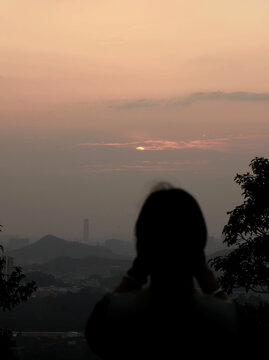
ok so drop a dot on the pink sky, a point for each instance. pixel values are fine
(83, 84)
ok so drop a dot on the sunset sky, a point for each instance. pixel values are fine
(100, 100)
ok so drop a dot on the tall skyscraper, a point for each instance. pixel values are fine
(86, 231)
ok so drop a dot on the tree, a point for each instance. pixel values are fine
(12, 292)
(247, 232)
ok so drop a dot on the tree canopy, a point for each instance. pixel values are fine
(12, 292)
(247, 233)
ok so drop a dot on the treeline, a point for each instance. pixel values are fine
(64, 312)
(53, 349)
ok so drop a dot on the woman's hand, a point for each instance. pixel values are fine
(135, 278)
(207, 280)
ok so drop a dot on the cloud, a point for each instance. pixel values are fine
(115, 144)
(139, 103)
(220, 95)
(203, 144)
(160, 145)
(230, 144)
(152, 163)
(145, 166)
(193, 98)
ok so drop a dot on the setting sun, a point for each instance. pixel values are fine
(141, 148)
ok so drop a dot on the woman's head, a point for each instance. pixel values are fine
(170, 230)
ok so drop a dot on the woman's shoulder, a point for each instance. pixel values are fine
(219, 313)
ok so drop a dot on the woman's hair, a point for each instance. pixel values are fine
(170, 230)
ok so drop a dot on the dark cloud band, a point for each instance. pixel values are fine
(195, 97)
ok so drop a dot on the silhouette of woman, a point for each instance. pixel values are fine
(168, 317)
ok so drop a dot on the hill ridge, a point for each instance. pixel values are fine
(50, 247)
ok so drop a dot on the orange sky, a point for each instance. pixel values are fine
(63, 50)
(84, 83)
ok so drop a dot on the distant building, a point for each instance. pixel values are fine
(86, 231)
(16, 243)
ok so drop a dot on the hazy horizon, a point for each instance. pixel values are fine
(99, 101)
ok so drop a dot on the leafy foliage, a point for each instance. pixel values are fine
(11, 291)
(247, 231)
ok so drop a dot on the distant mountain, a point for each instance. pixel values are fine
(42, 279)
(50, 247)
(121, 247)
(223, 252)
(213, 244)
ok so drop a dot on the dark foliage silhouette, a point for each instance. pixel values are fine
(12, 292)
(247, 232)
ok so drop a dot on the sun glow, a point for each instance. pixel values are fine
(141, 148)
